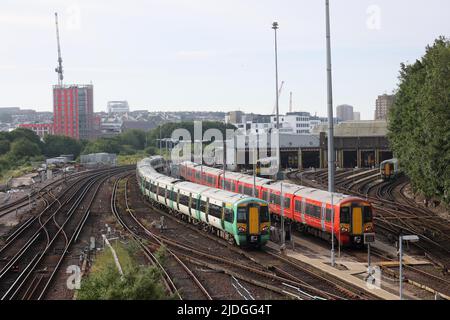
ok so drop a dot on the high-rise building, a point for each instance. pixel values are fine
(356, 116)
(118, 107)
(344, 112)
(73, 110)
(383, 104)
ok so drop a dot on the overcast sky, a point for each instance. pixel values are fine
(211, 54)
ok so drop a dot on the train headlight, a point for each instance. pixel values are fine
(344, 229)
(241, 229)
(265, 228)
(368, 228)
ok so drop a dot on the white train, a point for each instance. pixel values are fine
(238, 218)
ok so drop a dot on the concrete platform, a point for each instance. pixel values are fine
(352, 274)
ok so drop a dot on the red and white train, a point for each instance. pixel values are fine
(306, 208)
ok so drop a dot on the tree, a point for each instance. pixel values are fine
(27, 134)
(23, 147)
(419, 122)
(57, 145)
(4, 146)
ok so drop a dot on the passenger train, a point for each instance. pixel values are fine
(308, 209)
(389, 169)
(236, 217)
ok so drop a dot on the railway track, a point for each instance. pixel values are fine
(33, 253)
(394, 217)
(141, 235)
(269, 266)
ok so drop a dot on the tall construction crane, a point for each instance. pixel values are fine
(279, 94)
(59, 68)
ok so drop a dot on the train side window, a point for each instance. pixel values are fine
(203, 206)
(248, 191)
(229, 215)
(367, 213)
(287, 203)
(184, 200)
(242, 214)
(264, 214)
(345, 215)
(215, 210)
(298, 206)
(240, 189)
(328, 215)
(265, 196)
(197, 176)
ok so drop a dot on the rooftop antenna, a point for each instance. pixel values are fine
(59, 68)
(290, 101)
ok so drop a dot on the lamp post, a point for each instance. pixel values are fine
(330, 117)
(275, 28)
(409, 238)
(332, 230)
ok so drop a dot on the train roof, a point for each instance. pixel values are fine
(224, 196)
(191, 187)
(287, 187)
(321, 195)
(212, 193)
(394, 160)
(258, 180)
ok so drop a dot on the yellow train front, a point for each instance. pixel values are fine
(355, 219)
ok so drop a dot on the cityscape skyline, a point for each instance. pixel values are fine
(228, 65)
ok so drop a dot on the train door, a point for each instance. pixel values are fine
(323, 215)
(253, 220)
(357, 220)
(190, 204)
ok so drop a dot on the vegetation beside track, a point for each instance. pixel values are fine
(419, 122)
(105, 283)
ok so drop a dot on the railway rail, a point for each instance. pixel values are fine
(394, 217)
(34, 252)
(263, 264)
(141, 235)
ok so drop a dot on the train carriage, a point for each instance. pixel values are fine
(309, 209)
(239, 218)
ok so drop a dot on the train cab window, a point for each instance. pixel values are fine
(215, 210)
(242, 214)
(367, 214)
(264, 214)
(229, 215)
(345, 215)
(298, 206)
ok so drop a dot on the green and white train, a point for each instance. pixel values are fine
(238, 218)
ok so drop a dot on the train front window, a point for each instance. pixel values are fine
(242, 214)
(264, 214)
(367, 214)
(345, 214)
